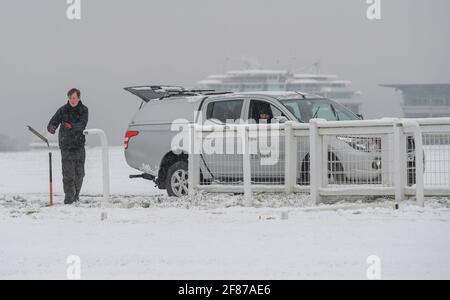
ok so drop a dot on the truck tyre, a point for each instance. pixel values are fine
(177, 179)
(335, 170)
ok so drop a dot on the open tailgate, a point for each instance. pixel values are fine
(151, 92)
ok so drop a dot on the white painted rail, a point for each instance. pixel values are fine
(385, 157)
(105, 160)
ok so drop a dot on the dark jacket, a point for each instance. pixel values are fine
(71, 139)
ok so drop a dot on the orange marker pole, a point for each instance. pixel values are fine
(45, 140)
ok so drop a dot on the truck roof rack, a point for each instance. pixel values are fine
(152, 92)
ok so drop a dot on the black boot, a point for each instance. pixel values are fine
(68, 201)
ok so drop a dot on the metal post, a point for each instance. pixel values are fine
(415, 127)
(290, 176)
(193, 161)
(398, 161)
(385, 175)
(105, 159)
(247, 168)
(45, 140)
(419, 166)
(51, 177)
(315, 161)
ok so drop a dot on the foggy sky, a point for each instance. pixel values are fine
(122, 43)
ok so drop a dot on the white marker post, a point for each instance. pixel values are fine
(105, 159)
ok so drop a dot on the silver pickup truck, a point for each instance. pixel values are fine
(149, 135)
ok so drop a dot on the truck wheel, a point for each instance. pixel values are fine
(305, 173)
(177, 179)
(335, 170)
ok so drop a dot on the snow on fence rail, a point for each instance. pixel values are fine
(386, 157)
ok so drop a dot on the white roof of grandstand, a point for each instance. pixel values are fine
(315, 76)
(304, 81)
(257, 72)
(217, 76)
(210, 81)
(341, 82)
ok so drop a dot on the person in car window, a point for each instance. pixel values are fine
(264, 115)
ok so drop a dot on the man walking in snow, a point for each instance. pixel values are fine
(72, 119)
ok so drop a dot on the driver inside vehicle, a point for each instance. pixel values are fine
(264, 115)
(260, 112)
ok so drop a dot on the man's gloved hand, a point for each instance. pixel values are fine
(51, 129)
(68, 125)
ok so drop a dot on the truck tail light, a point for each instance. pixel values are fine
(128, 136)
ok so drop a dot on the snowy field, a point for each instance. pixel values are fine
(146, 235)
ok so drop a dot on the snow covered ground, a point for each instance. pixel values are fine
(144, 234)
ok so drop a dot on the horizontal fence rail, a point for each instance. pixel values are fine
(386, 157)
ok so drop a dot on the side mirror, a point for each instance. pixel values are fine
(280, 119)
(360, 116)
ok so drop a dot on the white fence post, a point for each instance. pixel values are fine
(419, 166)
(399, 164)
(290, 169)
(247, 168)
(193, 161)
(105, 159)
(315, 161)
(386, 143)
(417, 132)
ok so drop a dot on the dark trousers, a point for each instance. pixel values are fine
(73, 173)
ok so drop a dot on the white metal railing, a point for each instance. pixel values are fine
(105, 160)
(436, 146)
(369, 157)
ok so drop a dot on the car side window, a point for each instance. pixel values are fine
(224, 110)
